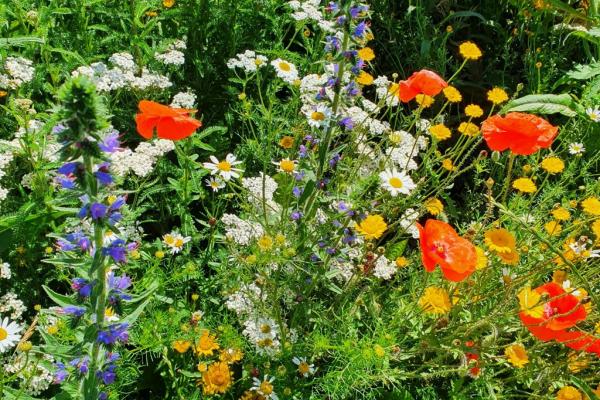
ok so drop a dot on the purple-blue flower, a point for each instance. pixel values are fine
(346, 123)
(110, 144)
(297, 192)
(98, 210)
(82, 286)
(115, 333)
(75, 311)
(116, 250)
(60, 374)
(296, 215)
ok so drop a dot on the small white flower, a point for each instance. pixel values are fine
(318, 116)
(215, 184)
(285, 70)
(507, 277)
(9, 334)
(576, 148)
(5, 272)
(593, 113)
(396, 182)
(304, 368)
(265, 387)
(175, 241)
(224, 168)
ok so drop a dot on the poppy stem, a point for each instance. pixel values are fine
(511, 162)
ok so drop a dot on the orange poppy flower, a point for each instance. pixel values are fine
(441, 245)
(422, 82)
(522, 133)
(170, 123)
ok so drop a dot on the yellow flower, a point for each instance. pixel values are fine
(286, 165)
(516, 355)
(265, 243)
(366, 54)
(452, 94)
(577, 362)
(286, 142)
(448, 165)
(561, 214)
(469, 51)
(435, 300)
(181, 346)
(434, 206)
(524, 185)
(553, 165)
(440, 132)
(401, 262)
(511, 258)
(207, 344)
(497, 96)
(168, 3)
(568, 393)
(553, 228)
(372, 227)
(468, 128)
(591, 205)
(529, 302)
(364, 78)
(473, 111)
(559, 276)
(216, 378)
(482, 260)
(231, 355)
(596, 228)
(52, 329)
(202, 367)
(499, 240)
(424, 101)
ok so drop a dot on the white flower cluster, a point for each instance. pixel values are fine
(141, 160)
(242, 301)
(264, 333)
(184, 100)
(385, 90)
(6, 158)
(18, 70)
(405, 150)
(384, 268)
(34, 376)
(408, 220)
(10, 303)
(239, 231)
(5, 272)
(309, 11)
(259, 186)
(173, 55)
(249, 61)
(343, 270)
(123, 74)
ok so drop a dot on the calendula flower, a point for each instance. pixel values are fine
(591, 206)
(231, 355)
(440, 132)
(553, 228)
(553, 165)
(568, 393)
(372, 227)
(511, 258)
(524, 185)
(473, 111)
(216, 378)
(596, 229)
(469, 51)
(434, 206)
(286, 165)
(516, 355)
(424, 100)
(364, 78)
(435, 300)
(181, 346)
(225, 169)
(168, 3)
(366, 54)
(287, 142)
(499, 240)
(396, 182)
(468, 129)
(206, 344)
(447, 164)
(401, 262)
(497, 96)
(452, 94)
(561, 214)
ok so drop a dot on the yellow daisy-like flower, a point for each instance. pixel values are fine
(231, 355)
(524, 185)
(216, 378)
(578, 362)
(181, 346)
(287, 142)
(372, 227)
(499, 240)
(265, 243)
(568, 393)
(596, 228)
(591, 206)
(424, 101)
(468, 128)
(364, 78)
(440, 132)
(553, 228)
(452, 94)
(529, 302)
(553, 165)
(168, 3)
(401, 262)
(435, 300)
(516, 355)
(482, 259)
(447, 164)
(366, 54)
(473, 111)
(497, 96)
(207, 344)
(561, 214)
(510, 258)
(469, 51)
(434, 206)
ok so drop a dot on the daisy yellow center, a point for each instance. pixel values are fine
(303, 368)
(258, 61)
(214, 184)
(178, 243)
(169, 239)
(287, 165)
(224, 166)
(265, 328)
(3, 334)
(109, 312)
(396, 183)
(266, 388)
(284, 66)
(317, 116)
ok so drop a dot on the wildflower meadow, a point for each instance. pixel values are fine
(303, 200)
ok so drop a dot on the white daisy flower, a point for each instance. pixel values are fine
(396, 182)
(593, 113)
(9, 334)
(285, 70)
(265, 387)
(215, 184)
(507, 277)
(318, 116)
(304, 368)
(224, 168)
(175, 241)
(576, 148)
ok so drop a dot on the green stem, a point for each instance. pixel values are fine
(511, 161)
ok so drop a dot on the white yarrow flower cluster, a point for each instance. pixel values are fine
(184, 100)
(10, 303)
(141, 160)
(384, 268)
(18, 70)
(242, 301)
(31, 370)
(249, 61)
(5, 272)
(261, 188)
(385, 91)
(308, 10)
(241, 232)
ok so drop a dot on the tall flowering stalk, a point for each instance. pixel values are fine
(96, 244)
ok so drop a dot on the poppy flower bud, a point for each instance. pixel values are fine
(483, 154)
(489, 183)
(381, 250)
(212, 221)
(495, 156)
(442, 323)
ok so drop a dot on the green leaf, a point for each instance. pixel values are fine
(544, 104)
(583, 72)
(59, 299)
(20, 41)
(584, 387)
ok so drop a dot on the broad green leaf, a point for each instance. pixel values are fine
(544, 104)
(59, 299)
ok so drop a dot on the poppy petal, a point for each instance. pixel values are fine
(177, 128)
(145, 125)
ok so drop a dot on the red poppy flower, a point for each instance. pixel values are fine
(170, 123)
(421, 82)
(522, 133)
(441, 245)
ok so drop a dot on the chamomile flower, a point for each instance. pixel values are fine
(304, 368)
(265, 387)
(215, 184)
(225, 169)
(285, 70)
(175, 241)
(318, 116)
(593, 113)
(286, 165)
(9, 334)
(507, 276)
(396, 182)
(576, 148)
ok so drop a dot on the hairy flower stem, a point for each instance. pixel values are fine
(511, 161)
